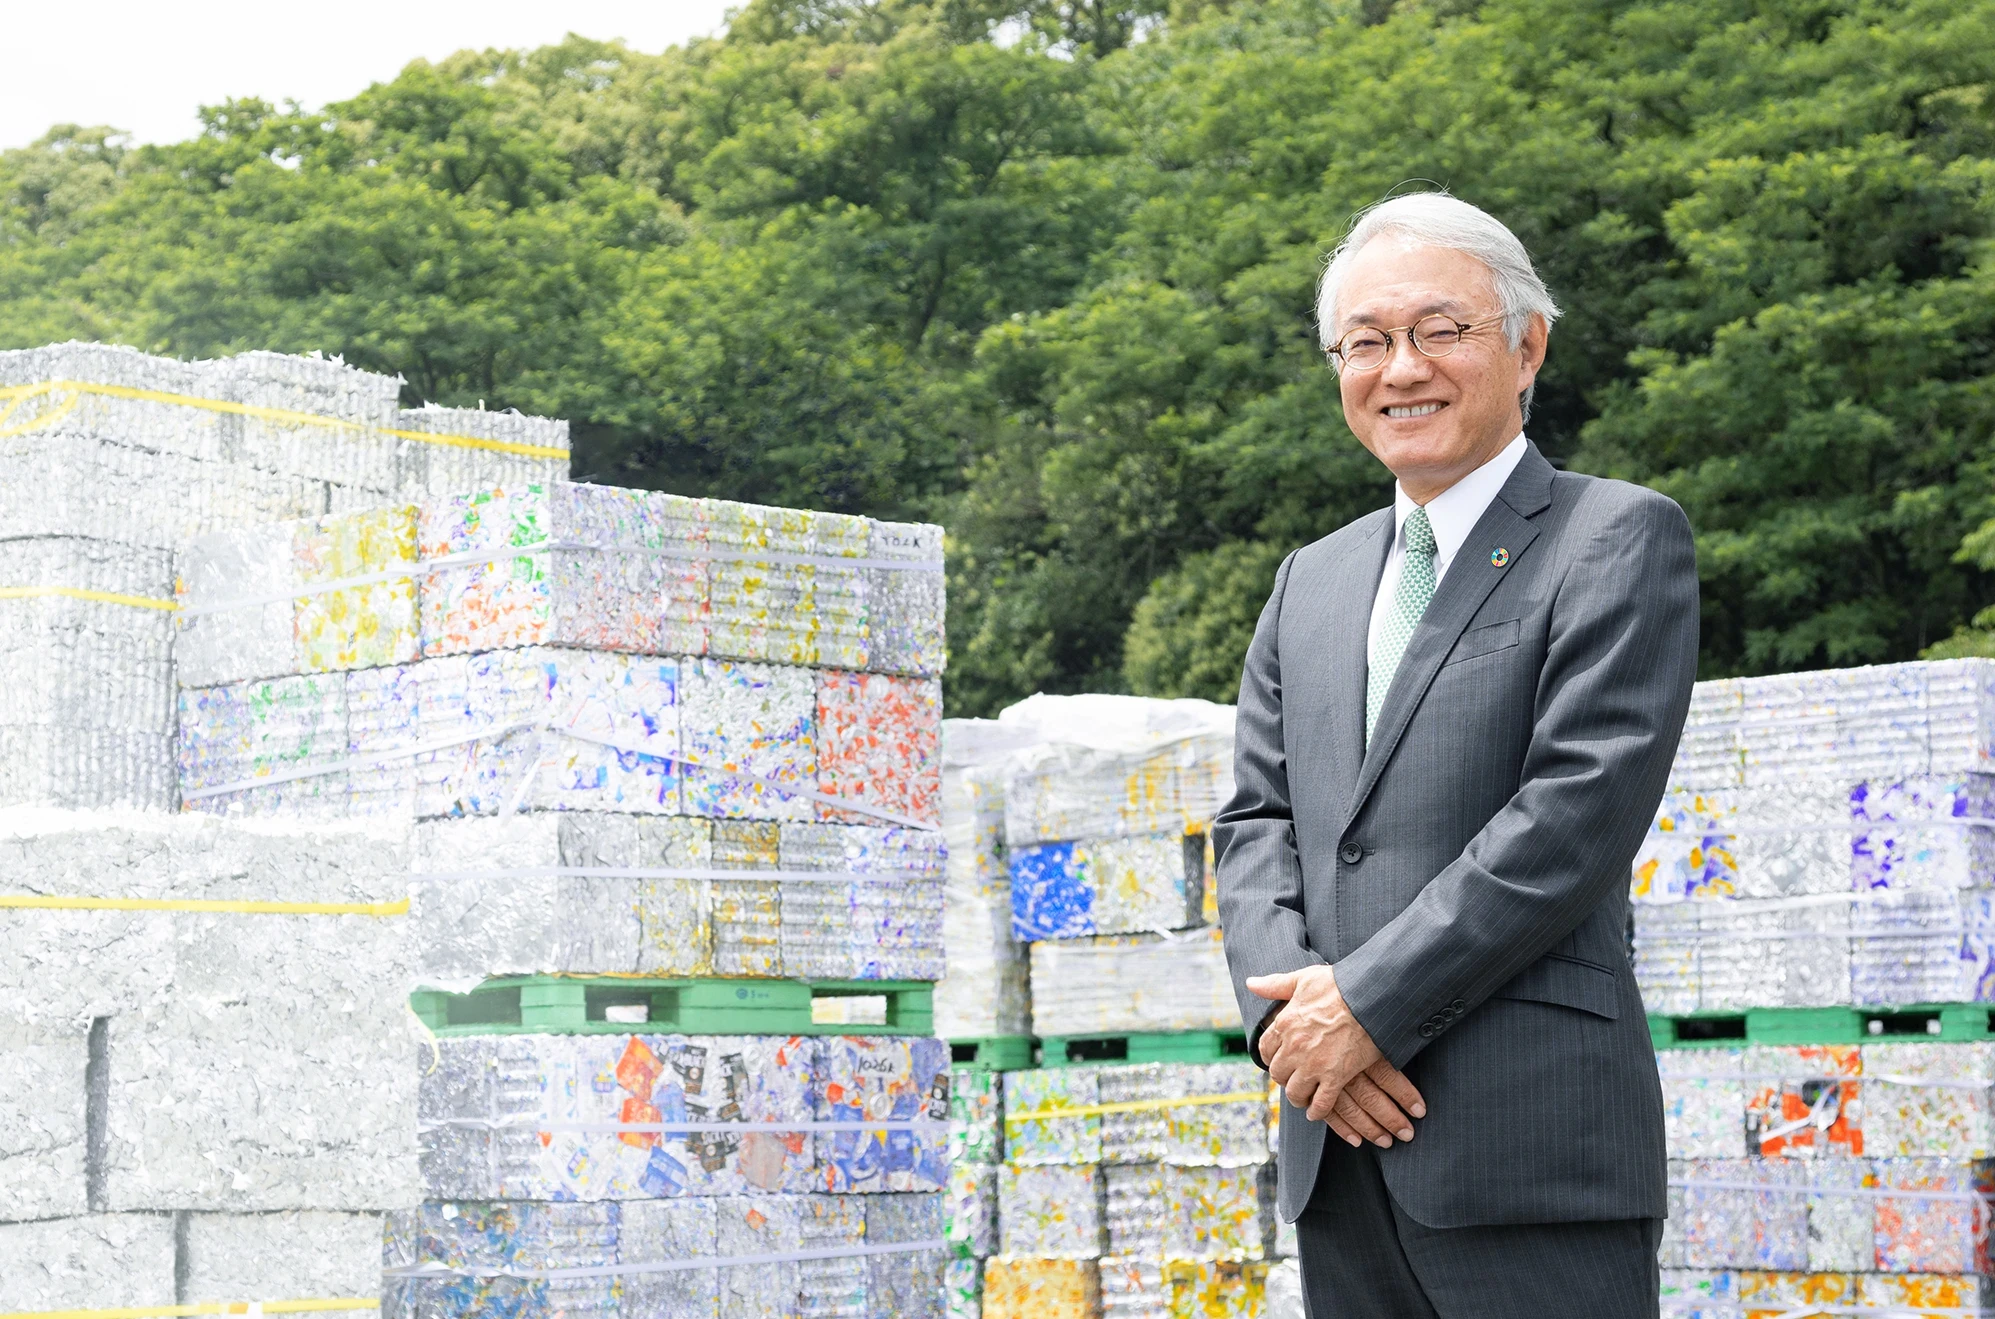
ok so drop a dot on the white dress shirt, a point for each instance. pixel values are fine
(1452, 515)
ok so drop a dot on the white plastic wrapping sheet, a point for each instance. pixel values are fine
(1115, 766)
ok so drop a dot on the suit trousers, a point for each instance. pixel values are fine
(1364, 1258)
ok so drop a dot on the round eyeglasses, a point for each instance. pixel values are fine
(1366, 348)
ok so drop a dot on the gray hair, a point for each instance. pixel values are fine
(1436, 219)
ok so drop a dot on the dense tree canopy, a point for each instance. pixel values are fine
(1043, 271)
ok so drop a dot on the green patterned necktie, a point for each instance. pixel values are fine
(1409, 601)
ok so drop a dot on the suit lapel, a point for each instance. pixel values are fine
(1472, 575)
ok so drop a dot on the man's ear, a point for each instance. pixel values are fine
(1531, 352)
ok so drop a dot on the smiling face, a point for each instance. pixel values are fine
(1432, 420)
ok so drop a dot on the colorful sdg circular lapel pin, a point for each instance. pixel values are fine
(1499, 558)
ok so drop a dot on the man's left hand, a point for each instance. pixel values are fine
(1317, 1051)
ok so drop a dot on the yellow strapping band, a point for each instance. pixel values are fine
(399, 907)
(204, 1307)
(1126, 1106)
(80, 593)
(77, 388)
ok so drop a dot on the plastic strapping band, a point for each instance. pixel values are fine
(1694, 1305)
(1853, 1192)
(1136, 1106)
(1798, 902)
(1802, 1078)
(532, 1123)
(435, 1270)
(399, 907)
(206, 1307)
(82, 593)
(1661, 939)
(1851, 827)
(77, 388)
(669, 872)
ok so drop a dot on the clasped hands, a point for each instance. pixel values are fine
(1326, 1061)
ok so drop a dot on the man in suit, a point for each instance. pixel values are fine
(1456, 719)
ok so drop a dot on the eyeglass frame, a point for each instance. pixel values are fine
(1336, 351)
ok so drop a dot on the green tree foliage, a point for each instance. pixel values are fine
(1044, 271)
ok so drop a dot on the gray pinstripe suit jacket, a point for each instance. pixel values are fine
(1467, 873)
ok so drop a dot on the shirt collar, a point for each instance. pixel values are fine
(1453, 513)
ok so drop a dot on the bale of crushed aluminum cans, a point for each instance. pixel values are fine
(1108, 802)
(1107, 886)
(1138, 982)
(1847, 1174)
(300, 1255)
(557, 564)
(332, 434)
(591, 1117)
(86, 637)
(518, 450)
(701, 1257)
(88, 1262)
(212, 1053)
(1031, 1287)
(546, 728)
(986, 991)
(1826, 840)
(1739, 1294)
(1170, 1201)
(598, 892)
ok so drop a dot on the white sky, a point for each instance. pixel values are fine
(146, 67)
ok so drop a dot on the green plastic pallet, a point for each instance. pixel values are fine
(996, 1053)
(1195, 1046)
(580, 1005)
(1947, 1022)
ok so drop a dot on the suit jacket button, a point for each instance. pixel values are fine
(1426, 1030)
(1459, 1006)
(1350, 854)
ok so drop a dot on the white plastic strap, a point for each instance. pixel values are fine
(1803, 1078)
(1663, 938)
(673, 872)
(1689, 1305)
(436, 1270)
(1798, 902)
(1847, 1192)
(532, 1123)
(1715, 830)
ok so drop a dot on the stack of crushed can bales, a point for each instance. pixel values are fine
(1107, 828)
(1812, 938)
(1086, 1186)
(672, 768)
(205, 1089)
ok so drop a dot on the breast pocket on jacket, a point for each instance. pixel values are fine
(1485, 640)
